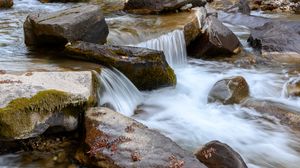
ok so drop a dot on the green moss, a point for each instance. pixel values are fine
(15, 118)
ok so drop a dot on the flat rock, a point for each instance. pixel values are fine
(286, 114)
(277, 38)
(147, 69)
(84, 23)
(31, 103)
(114, 140)
(158, 6)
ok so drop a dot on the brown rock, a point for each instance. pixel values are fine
(219, 155)
(110, 145)
(6, 3)
(229, 90)
(146, 68)
(216, 40)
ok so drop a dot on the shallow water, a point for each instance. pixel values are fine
(182, 112)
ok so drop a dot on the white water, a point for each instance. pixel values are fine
(117, 91)
(172, 44)
(184, 115)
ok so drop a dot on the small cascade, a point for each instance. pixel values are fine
(172, 44)
(117, 91)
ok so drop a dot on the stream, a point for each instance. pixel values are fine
(181, 112)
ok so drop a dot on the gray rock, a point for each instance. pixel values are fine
(147, 69)
(84, 23)
(114, 140)
(216, 40)
(35, 101)
(277, 38)
(286, 114)
(229, 91)
(219, 155)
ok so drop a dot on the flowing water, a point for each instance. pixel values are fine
(182, 112)
(118, 92)
(173, 45)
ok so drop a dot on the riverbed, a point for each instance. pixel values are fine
(181, 112)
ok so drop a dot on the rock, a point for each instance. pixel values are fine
(289, 6)
(141, 28)
(244, 20)
(146, 68)
(63, 1)
(286, 114)
(6, 3)
(84, 23)
(158, 6)
(219, 155)
(33, 102)
(277, 38)
(241, 6)
(292, 88)
(231, 90)
(216, 40)
(113, 140)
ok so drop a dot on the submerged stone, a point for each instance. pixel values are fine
(33, 102)
(84, 23)
(113, 140)
(286, 114)
(146, 68)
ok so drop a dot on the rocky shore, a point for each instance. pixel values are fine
(55, 116)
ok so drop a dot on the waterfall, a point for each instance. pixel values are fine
(172, 44)
(118, 92)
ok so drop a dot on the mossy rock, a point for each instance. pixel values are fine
(22, 116)
(147, 69)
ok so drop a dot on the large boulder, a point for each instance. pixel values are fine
(6, 3)
(113, 140)
(279, 40)
(217, 39)
(146, 68)
(231, 90)
(292, 87)
(35, 101)
(219, 155)
(286, 114)
(158, 6)
(84, 23)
